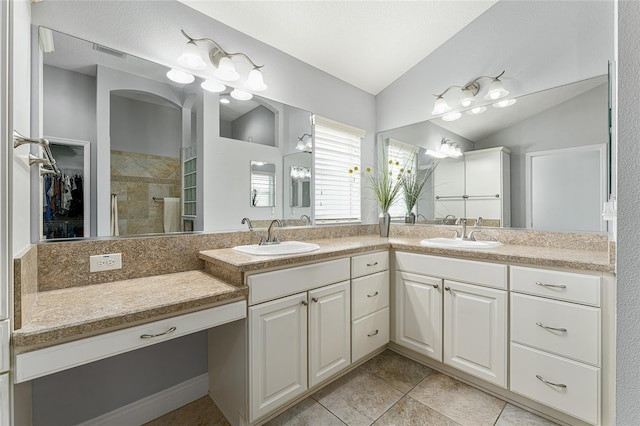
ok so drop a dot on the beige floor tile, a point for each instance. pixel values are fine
(409, 412)
(201, 412)
(358, 398)
(307, 412)
(400, 372)
(461, 402)
(516, 416)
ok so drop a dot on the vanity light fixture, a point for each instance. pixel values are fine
(241, 95)
(468, 94)
(504, 103)
(213, 86)
(302, 145)
(476, 110)
(225, 101)
(452, 116)
(180, 76)
(222, 60)
(448, 148)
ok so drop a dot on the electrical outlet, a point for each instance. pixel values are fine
(105, 262)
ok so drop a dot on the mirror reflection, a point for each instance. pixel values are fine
(538, 164)
(150, 169)
(263, 184)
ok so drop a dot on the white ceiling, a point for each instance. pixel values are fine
(366, 43)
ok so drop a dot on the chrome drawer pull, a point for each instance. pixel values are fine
(447, 288)
(551, 285)
(373, 334)
(305, 303)
(315, 299)
(372, 264)
(559, 385)
(372, 295)
(151, 336)
(539, 324)
(435, 286)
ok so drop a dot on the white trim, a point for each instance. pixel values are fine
(600, 148)
(156, 405)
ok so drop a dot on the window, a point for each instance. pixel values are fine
(336, 151)
(405, 156)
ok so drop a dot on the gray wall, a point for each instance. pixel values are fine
(628, 298)
(145, 128)
(540, 44)
(580, 121)
(258, 124)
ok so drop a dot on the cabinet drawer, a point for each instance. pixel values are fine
(369, 333)
(581, 340)
(370, 294)
(580, 395)
(38, 363)
(276, 284)
(369, 263)
(572, 287)
(484, 273)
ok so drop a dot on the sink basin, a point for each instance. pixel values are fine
(463, 244)
(285, 247)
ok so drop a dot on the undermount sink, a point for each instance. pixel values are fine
(285, 247)
(458, 243)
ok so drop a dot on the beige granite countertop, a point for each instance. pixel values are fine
(231, 264)
(62, 315)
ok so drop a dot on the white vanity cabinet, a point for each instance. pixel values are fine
(370, 303)
(453, 311)
(556, 340)
(300, 340)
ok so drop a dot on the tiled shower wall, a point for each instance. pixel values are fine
(136, 179)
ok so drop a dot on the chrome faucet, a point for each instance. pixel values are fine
(306, 218)
(418, 217)
(462, 222)
(248, 222)
(444, 220)
(271, 239)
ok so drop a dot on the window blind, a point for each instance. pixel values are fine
(405, 155)
(263, 185)
(336, 151)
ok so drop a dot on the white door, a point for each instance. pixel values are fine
(329, 331)
(419, 314)
(278, 356)
(475, 331)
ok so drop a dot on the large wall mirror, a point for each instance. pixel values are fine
(542, 163)
(147, 135)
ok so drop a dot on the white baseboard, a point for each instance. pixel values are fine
(156, 405)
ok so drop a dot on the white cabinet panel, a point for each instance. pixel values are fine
(566, 329)
(419, 314)
(569, 286)
(329, 331)
(370, 333)
(370, 294)
(4, 346)
(446, 207)
(5, 409)
(572, 387)
(475, 331)
(483, 173)
(278, 353)
(448, 178)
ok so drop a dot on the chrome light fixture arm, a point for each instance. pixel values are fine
(218, 53)
(472, 85)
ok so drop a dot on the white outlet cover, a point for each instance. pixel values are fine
(105, 262)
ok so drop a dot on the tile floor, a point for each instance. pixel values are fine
(387, 390)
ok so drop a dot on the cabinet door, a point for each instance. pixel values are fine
(475, 324)
(329, 331)
(483, 174)
(419, 314)
(278, 355)
(448, 177)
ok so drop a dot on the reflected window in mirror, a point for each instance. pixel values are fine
(263, 184)
(253, 120)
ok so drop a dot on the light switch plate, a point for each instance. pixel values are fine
(105, 262)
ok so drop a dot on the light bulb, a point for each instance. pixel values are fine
(241, 95)
(476, 110)
(180, 76)
(213, 86)
(254, 81)
(226, 70)
(225, 101)
(440, 106)
(191, 57)
(504, 103)
(496, 90)
(466, 97)
(435, 154)
(452, 116)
